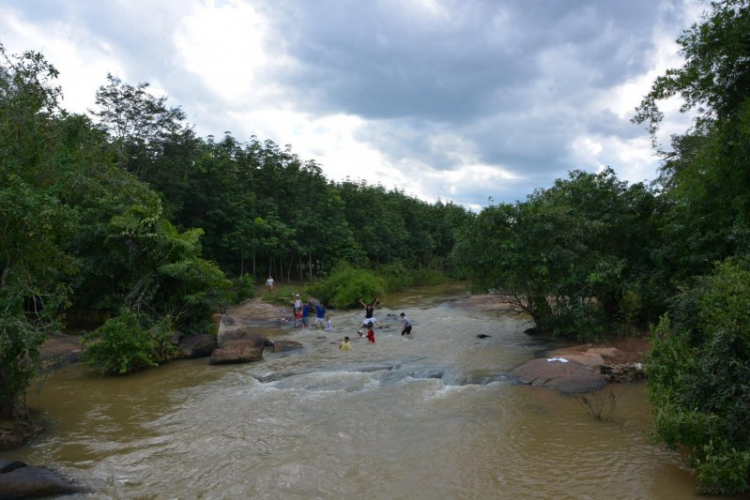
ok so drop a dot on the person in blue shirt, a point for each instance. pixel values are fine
(306, 315)
(320, 315)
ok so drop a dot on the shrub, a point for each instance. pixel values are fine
(346, 286)
(126, 344)
(397, 277)
(242, 288)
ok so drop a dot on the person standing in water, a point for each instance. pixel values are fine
(370, 335)
(320, 315)
(369, 312)
(407, 325)
(346, 345)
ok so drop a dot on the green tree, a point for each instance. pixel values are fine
(574, 257)
(699, 377)
(33, 222)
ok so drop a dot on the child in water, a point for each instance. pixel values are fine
(346, 345)
(370, 334)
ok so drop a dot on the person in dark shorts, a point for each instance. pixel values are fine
(407, 325)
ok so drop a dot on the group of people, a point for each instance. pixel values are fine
(302, 314)
(370, 322)
(302, 318)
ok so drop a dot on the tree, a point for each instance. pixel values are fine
(33, 222)
(699, 365)
(699, 377)
(574, 256)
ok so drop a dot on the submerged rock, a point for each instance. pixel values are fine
(561, 375)
(34, 482)
(286, 345)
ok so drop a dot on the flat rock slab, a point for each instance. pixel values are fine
(569, 377)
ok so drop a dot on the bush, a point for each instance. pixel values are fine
(242, 288)
(346, 286)
(127, 343)
(398, 277)
(699, 378)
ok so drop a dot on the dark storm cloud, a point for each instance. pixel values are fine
(390, 60)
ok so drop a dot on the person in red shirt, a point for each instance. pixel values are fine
(370, 334)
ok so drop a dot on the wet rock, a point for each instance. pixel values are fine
(195, 346)
(236, 343)
(286, 345)
(569, 377)
(483, 336)
(9, 465)
(35, 482)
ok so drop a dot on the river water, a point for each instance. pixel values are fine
(429, 417)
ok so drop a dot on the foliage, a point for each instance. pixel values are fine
(243, 288)
(699, 377)
(346, 286)
(396, 276)
(128, 343)
(33, 222)
(699, 367)
(570, 255)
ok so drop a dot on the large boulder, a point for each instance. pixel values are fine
(561, 375)
(195, 346)
(35, 482)
(236, 343)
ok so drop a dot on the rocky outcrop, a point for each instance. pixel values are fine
(585, 368)
(561, 375)
(236, 343)
(18, 480)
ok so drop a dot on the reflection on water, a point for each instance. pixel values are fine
(433, 416)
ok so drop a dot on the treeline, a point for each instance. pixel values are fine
(263, 209)
(126, 214)
(592, 255)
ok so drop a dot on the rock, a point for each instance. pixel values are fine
(483, 336)
(196, 346)
(286, 345)
(622, 373)
(9, 465)
(34, 482)
(236, 343)
(176, 337)
(571, 377)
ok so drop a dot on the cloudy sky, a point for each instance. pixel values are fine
(461, 100)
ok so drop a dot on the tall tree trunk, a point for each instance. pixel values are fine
(309, 265)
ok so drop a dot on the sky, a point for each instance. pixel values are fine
(469, 101)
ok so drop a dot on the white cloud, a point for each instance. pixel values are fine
(82, 66)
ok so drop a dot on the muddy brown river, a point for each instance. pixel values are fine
(429, 417)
